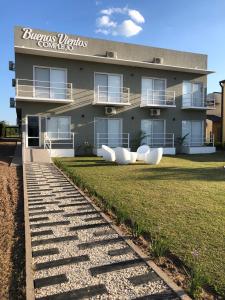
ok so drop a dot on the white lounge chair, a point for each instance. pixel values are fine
(123, 156)
(133, 157)
(142, 151)
(108, 153)
(154, 156)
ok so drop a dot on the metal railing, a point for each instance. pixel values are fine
(200, 141)
(198, 101)
(56, 140)
(26, 88)
(111, 95)
(158, 98)
(165, 140)
(113, 140)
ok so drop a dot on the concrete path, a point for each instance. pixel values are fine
(76, 253)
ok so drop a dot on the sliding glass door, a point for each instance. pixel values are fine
(153, 132)
(50, 83)
(108, 88)
(193, 94)
(108, 132)
(193, 131)
(153, 91)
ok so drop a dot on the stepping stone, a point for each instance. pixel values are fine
(97, 218)
(37, 208)
(50, 224)
(40, 233)
(104, 232)
(45, 252)
(116, 266)
(39, 203)
(159, 296)
(74, 204)
(49, 212)
(83, 293)
(54, 240)
(145, 278)
(51, 280)
(120, 251)
(39, 219)
(100, 243)
(82, 213)
(61, 262)
(88, 226)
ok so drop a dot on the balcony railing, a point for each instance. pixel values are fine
(58, 140)
(111, 95)
(43, 90)
(153, 98)
(113, 140)
(199, 141)
(193, 101)
(165, 140)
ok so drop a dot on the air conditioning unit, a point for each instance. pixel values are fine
(154, 112)
(109, 110)
(12, 103)
(111, 54)
(158, 60)
(11, 66)
(13, 82)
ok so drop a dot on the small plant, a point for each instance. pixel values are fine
(85, 148)
(196, 278)
(159, 246)
(181, 139)
(136, 229)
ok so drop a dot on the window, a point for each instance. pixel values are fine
(153, 132)
(153, 90)
(194, 132)
(58, 127)
(193, 94)
(108, 88)
(50, 83)
(108, 132)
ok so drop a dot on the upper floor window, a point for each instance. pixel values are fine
(50, 83)
(193, 94)
(153, 90)
(108, 88)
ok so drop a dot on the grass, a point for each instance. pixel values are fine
(182, 201)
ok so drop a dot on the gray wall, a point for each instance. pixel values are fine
(81, 75)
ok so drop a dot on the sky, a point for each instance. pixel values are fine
(187, 25)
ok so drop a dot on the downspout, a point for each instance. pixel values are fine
(222, 82)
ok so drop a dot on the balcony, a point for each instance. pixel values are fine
(160, 99)
(111, 95)
(192, 101)
(44, 91)
(112, 140)
(161, 140)
(199, 145)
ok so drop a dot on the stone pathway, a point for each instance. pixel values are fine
(76, 253)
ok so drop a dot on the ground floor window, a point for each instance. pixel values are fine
(193, 132)
(58, 127)
(153, 132)
(108, 132)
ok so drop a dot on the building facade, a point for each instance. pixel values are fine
(214, 118)
(80, 93)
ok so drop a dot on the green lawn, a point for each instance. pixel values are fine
(182, 199)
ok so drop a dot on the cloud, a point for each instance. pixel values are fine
(136, 16)
(106, 23)
(127, 28)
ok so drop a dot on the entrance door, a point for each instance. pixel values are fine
(154, 132)
(108, 132)
(33, 131)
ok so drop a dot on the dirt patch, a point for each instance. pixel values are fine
(12, 249)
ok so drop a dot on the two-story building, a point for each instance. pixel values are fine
(79, 93)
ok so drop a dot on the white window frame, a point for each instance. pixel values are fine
(50, 68)
(26, 132)
(203, 127)
(164, 125)
(153, 78)
(69, 117)
(192, 83)
(105, 73)
(97, 118)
